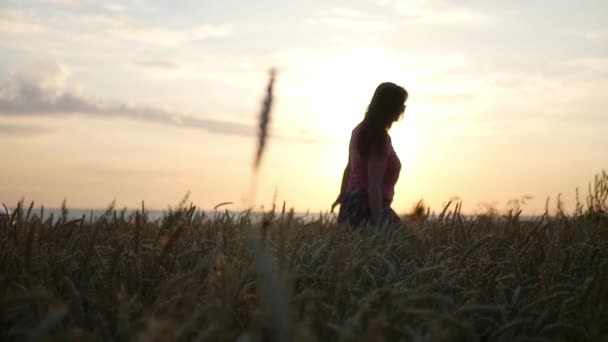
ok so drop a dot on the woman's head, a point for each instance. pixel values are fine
(386, 106)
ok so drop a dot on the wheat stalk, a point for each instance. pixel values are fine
(264, 120)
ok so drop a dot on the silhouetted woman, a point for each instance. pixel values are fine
(368, 183)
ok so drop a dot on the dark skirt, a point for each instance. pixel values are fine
(354, 210)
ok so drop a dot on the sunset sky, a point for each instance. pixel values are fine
(147, 100)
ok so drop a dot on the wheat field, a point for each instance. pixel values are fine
(192, 276)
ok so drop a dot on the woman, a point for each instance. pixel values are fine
(368, 183)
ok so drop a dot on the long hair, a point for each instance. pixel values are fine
(386, 106)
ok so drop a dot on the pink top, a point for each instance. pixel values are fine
(358, 168)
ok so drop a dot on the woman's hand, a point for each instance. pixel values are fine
(343, 185)
(338, 201)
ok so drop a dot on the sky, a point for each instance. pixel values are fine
(150, 100)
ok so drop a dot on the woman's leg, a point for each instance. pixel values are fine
(354, 209)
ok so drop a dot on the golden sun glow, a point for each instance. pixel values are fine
(149, 109)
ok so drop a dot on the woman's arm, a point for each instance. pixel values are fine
(343, 186)
(376, 166)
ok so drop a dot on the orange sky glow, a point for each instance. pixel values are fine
(135, 100)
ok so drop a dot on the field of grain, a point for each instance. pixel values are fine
(194, 277)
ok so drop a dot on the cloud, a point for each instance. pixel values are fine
(591, 63)
(446, 98)
(22, 130)
(125, 28)
(68, 2)
(596, 35)
(434, 11)
(157, 64)
(348, 19)
(114, 7)
(109, 26)
(343, 12)
(110, 7)
(545, 102)
(39, 90)
(17, 22)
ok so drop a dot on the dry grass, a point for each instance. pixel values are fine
(193, 277)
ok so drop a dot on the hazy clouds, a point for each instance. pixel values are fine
(157, 64)
(21, 130)
(41, 89)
